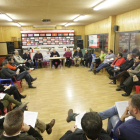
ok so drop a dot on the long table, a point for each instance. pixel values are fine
(53, 58)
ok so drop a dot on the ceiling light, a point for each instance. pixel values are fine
(104, 4)
(67, 24)
(79, 18)
(4, 16)
(17, 24)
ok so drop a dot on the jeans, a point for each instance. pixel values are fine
(101, 66)
(25, 75)
(92, 66)
(111, 114)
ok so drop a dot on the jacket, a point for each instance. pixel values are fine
(32, 134)
(56, 53)
(19, 59)
(102, 56)
(80, 54)
(26, 56)
(38, 56)
(87, 55)
(7, 73)
(118, 62)
(135, 71)
(12, 67)
(108, 57)
(68, 54)
(126, 65)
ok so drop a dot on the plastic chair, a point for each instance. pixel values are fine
(19, 83)
(8, 80)
(112, 135)
(137, 89)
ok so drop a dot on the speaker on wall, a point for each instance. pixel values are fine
(116, 28)
(10, 47)
(80, 43)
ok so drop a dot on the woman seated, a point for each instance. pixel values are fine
(68, 56)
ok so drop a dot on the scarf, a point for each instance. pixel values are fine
(136, 64)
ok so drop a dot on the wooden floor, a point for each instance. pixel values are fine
(60, 89)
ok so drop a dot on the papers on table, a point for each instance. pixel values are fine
(8, 87)
(30, 118)
(121, 107)
(2, 95)
(78, 120)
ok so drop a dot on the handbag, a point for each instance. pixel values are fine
(135, 79)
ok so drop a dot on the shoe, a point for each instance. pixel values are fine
(90, 70)
(94, 72)
(34, 79)
(31, 68)
(23, 105)
(31, 87)
(112, 83)
(112, 78)
(51, 124)
(69, 112)
(125, 94)
(118, 89)
(23, 96)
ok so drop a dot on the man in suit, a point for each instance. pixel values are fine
(87, 57)
(27, 57)
(77, 57)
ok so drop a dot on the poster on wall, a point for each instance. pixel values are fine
(94, 41)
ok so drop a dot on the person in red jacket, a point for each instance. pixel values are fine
(116, 63)
(68, 56)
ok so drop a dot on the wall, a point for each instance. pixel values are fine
(129, 21)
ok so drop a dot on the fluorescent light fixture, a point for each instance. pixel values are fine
(79, 18)
(4, 16)
(44, 25)
(104, 4)
(67, 24)
(17, 24)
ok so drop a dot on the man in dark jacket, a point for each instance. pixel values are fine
(13, 126)
(55, 62)
(77, 57)
(39, 58)
(87, 58)
(8, 73)
(27, 57)
(91, 124)
(125, 66)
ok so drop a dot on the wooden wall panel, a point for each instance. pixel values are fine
(3, 49)
(129, 21)
(98, 27)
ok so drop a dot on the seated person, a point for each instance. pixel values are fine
(115, 64)
(77, 57)
(8, 73)
(12, 126)
(97, 61)
(128, 84)
(14, 67)
(87, 57)
(68, 56)
(39, 59)
(55, 62)
(124, 130)
(91, 128)
(5, 103)
(12, 91)
(27, 57)
(125, 66)
(19, 59)
(109, 58)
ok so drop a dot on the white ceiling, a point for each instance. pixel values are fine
(30, 12)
